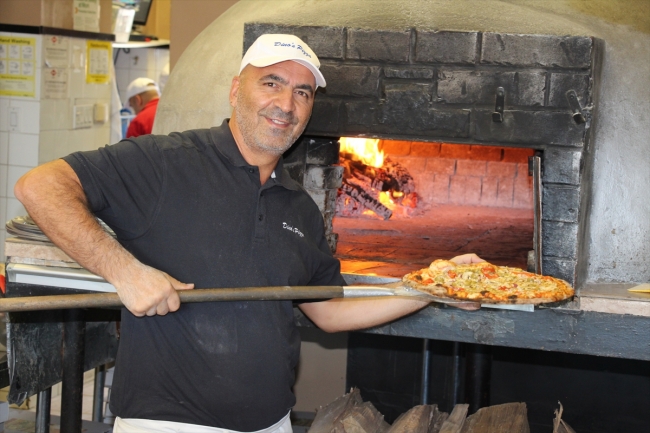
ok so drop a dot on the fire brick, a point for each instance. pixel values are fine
(327, 42)
(351, 80)
(478, 87)
(523, 193)
(411, 164)
(562, 166)
(441, 165)
(422, 149)
(407, 108)
(529, 127)
(501, 169)
(408, 72)
(561, 83)
(325, 115)
(469, 167)
(321, 151)
(560, 239)
(323, 177)
(383, 45)
(486, 153)
(440, 189)
(465, 190)
(456, 151)
(561, 203)
(362, 114)
(489, 187)
(536, 50)
(505, 192)
(396, 147)
(446, 47)
(560, 268)
(517, 155)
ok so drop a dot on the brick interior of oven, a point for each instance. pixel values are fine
(473, 198)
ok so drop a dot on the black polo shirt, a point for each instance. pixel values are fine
(190, 205)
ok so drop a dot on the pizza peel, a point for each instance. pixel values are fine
(393, 288)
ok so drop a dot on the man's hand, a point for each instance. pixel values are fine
(466, 259)
(148, 291)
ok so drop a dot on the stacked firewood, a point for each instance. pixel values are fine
(350, 414)
(363, 183)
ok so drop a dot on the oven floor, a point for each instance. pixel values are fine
(502, 236)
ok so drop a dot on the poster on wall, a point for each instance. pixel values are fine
(55, 83)
(17, 66)
(85, 15)
(56, 51)
(98, 60)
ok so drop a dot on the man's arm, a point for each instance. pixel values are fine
(351, 314)
(55, 199)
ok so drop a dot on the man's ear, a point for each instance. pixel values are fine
(234, 88)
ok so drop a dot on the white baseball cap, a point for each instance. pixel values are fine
(140, 85)
(271, 49)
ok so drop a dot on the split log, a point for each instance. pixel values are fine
(326, 417)
(454, 423)
(364, 418)
(366, 200)
(559, 425)
(420, 419)
(509, 417)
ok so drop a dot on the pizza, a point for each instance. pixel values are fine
(487, 283)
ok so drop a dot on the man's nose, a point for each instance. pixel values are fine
(285, 101)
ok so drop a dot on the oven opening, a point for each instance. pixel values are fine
(420, 201)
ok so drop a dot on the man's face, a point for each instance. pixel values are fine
(272, 105)
(135, 102)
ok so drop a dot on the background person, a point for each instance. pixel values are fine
(142, 96)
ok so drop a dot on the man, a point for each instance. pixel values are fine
(199, 209)
(142, 95)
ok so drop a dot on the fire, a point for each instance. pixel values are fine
(366, 149)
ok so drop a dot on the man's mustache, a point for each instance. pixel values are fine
(276, 113)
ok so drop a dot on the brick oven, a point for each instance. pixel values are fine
(448, 93)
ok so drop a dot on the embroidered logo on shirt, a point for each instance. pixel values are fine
(292, 229)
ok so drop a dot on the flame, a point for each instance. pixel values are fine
(366, 149)
(386, 200)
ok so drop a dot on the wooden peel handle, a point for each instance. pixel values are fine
(110, 300)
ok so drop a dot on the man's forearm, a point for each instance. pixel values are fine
(54, 198)
(349, 314)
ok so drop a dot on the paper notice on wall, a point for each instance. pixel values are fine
(55, 83)
(85, 15)
(98, 60)
(17, 66)
(56, 51)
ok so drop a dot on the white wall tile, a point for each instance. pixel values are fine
(4, 147)
(3, 211)
(29, 113)
(56, 114)
(76, 83)
(102, 136)
(122, 76)
(82, 139)
(53, 145)
(4, 169)
(23, 149)
(4, 113)
(14, 209)
(14, 173)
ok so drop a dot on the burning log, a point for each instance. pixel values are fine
(363, 186)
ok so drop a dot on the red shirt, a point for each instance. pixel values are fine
(143, 122)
